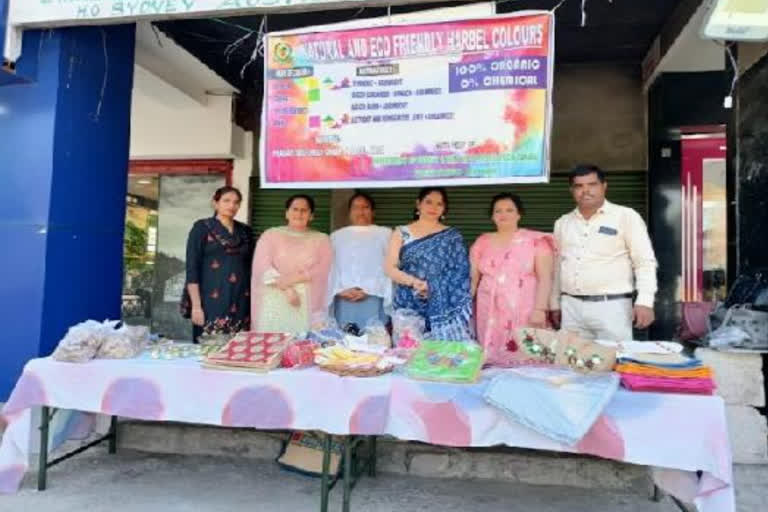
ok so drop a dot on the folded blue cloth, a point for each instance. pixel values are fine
(690, 363)
(558, 403)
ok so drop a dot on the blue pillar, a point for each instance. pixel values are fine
(64, 142)
(3, 17)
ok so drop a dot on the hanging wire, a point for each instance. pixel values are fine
(230, 24)
(358, 13)
(583, 13)
(230, 49)
(97, 114)
(734, 66)
(555, 8)
(156, 31)
(258, 49)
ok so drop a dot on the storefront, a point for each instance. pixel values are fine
(77, 249)
(595, 68)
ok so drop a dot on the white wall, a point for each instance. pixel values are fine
(241, 174)
(167, 124)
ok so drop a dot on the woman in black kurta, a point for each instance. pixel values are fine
(219, 253)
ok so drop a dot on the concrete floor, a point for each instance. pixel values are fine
(133, 482)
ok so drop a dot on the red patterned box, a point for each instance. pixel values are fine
(257, 351)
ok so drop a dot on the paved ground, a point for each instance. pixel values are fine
(133, 482)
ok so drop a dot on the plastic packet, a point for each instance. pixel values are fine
(326, 335)
(300, 354)
(124, 343)
(83, 341)
(378, 336)
(407, 328)
(727, 337)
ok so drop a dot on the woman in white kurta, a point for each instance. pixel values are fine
(359, 291)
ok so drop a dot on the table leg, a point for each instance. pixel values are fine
(372, 456)
(347, 473)
(42, 470)
(113, 435)
(324, 483)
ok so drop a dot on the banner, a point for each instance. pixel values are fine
(451, 103)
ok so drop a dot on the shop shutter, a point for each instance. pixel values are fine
(544, 202)
(268, 207)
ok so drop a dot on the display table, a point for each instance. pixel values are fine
(683, 437)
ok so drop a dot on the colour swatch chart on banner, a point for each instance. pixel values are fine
(464, 102)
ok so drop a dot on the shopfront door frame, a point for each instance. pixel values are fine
(182, 167)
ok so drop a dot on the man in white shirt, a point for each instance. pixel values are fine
(605, 259)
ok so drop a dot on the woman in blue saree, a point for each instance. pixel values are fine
(429, 264)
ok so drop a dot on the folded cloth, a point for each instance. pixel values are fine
(633, 348)
(662, 361)
(655, 371)
(559, 403)
(688, 386)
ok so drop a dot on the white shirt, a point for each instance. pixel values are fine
(358, 261)
(611, 253)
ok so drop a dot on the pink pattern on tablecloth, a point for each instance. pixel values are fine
(444, 423)
(247, 408)
(10, 478)
(370, 416)
(133, 397)
(603, 440)
(436, 413)
(29, 391)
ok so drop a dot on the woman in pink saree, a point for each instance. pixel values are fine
(290, 273)
(512, 272)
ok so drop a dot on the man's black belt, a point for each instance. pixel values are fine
(601, 298)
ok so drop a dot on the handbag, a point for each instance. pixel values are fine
(694, 324)
(753, 322)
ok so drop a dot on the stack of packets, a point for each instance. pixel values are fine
(251, 351)
(661, 367)
(446, 361)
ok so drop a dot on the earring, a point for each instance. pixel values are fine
(442, 218)
(417, 213)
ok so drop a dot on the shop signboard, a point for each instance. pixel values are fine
(49, 13)
(452, 103)
(58, 13)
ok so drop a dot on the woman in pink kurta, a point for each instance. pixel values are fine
(290, 273)
(512, 271)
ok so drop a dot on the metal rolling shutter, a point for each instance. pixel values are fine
(544, 202)
(268, 207)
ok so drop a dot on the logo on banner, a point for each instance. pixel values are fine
(283, 53)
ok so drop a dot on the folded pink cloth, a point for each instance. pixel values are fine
(700, 386)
